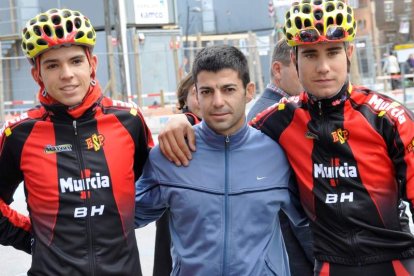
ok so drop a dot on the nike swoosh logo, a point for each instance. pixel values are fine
(260, 178)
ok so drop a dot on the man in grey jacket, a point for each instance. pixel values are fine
(224, 206)
(284, 80)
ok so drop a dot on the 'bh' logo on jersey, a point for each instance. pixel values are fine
(96, 141)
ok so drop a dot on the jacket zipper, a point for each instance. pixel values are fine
(338, 205)
(226, 198)
(87, 200)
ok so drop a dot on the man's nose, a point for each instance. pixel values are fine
(66, 71)
(218, 98)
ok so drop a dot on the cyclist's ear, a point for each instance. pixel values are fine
(349, 50)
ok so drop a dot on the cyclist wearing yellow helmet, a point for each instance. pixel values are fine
(79, 154)
(352, 155)
(351, 149)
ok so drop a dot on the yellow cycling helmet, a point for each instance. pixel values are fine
(54, 28)
(315, 21)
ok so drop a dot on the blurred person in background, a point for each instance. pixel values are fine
(187, 98)
(79, 154)
(284, 81)
(410, 67)
(392, 68)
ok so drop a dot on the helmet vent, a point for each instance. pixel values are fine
(30, 46)
(289, 24)
(78, 23)
(59, 32)
(330, 21)
(287, 15)
(317, 2)
(36, 30)
(27, 35)
(47, 31)
(318, 14)
(43, 18)
(307, 22)
(306, 9)
(33, 21)
(330, 7)
(79, 35)
(69, 26)
(89, 35)
(296, 10)
(298, 22)
(24, 46)
(87, 24)
(319, 26)
(41, 42)
(339, 19)
(350, 31)
(56, 19)
(66, 14)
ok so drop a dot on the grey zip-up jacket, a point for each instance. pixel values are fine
(224, 205)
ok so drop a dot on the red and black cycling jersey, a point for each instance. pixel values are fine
(79, 178)
(353, 156)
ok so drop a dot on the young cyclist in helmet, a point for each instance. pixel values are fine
(352, 149)
(79, 154)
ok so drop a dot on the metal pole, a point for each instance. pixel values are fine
(109, 58)
(123, 24)
(120, 50)
(187, 25)
(402, 77)
(175, 58)
(257, 63)
(138, 77)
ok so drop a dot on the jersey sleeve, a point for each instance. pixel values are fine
(401, 150)
(143, 144)
(149, 201)
(15, 228)
(268, 122)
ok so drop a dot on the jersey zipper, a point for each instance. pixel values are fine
(226, 207)
(350, 236)
(87, 200)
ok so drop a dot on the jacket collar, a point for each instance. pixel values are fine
(91, 99)
(276, 92)
(211, 138)
(329, 104)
